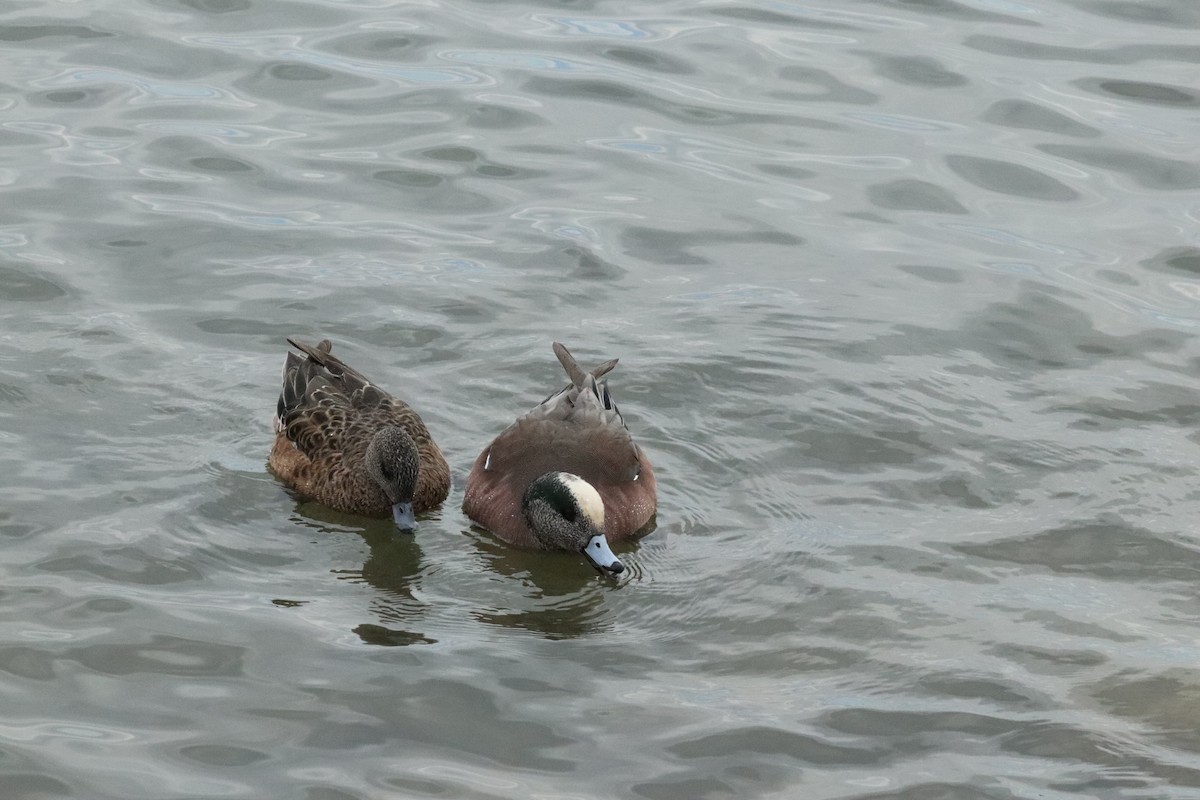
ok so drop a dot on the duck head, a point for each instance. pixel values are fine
(565, 512)
(393, 463)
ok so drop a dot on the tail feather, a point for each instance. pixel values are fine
(574, 372)
(343, 375)
(319, 354)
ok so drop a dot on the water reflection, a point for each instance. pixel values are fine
(395, 564)
(557, 595)
(395, 567)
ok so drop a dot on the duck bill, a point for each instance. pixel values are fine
(601, 556)
(405, 519)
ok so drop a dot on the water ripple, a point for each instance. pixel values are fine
(147, 90)
(904, 296)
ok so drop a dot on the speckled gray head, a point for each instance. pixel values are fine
(393, 463)
(565, 512)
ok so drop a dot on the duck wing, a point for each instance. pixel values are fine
(326, 406)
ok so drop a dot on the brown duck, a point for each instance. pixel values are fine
(567, 475)
(346, 443)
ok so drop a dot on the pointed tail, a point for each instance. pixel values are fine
(577, 375)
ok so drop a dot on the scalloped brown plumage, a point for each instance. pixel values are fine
(578, 430)
(325, 419)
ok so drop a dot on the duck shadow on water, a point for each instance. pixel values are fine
(555, 594)
(395, 567)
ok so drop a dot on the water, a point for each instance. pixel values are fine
(905, 295)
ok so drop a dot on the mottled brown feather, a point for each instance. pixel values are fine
(326, 416)
(580, 430)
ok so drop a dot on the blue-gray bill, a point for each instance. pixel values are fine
(405, 519)
(601, 556)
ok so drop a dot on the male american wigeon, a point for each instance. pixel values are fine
(346, 443)
(567, 475)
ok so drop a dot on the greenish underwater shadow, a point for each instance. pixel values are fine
(558, 595)
(395, 567)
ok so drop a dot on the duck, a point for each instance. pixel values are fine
(346, 443)
(567, 475)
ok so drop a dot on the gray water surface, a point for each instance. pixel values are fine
(905, 295)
